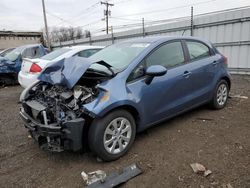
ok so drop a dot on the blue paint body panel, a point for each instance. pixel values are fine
(180, 89)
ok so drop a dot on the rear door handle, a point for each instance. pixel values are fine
(186, 74)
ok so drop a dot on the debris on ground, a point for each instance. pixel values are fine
(204, 119)
(93, 177)
(238, 145)
(180, 178)
(207, 172)
(227, 185)
(239, 96)
(200, 169)
(98, 179)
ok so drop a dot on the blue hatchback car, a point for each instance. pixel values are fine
(102, 102)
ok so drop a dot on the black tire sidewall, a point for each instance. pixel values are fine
(96, 134)
(215, 103)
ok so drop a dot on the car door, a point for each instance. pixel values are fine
(201, 68)
(165, 96)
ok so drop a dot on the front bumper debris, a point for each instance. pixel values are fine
(54, 137)
(99, 179)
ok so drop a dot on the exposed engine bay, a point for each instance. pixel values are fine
(50, 104)
(53, 109)
(56, 104)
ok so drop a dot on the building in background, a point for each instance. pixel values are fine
(9, 39)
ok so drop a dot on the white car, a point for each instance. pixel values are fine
(31, 68)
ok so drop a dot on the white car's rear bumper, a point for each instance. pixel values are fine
(25, 79)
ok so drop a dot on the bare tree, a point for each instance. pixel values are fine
(78, 33)
(87, 34)
(64, 36)
(61, 34)
(71, 33)
(55, 35)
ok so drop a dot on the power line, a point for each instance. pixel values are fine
(55, 16)
(122, 1)
(83, 12)
(162, 10)
(127, 19)
(91, 23)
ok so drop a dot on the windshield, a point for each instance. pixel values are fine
(14, 54)
(119, 56)
(55, 54)
(4, 52)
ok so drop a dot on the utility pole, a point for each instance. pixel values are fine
(46, 26)
(112, 34)
(107, 13)
(143, 28)
(192, 21)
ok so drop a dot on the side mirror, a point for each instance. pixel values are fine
(154, 70)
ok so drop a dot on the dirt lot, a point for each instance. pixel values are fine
(220, 140)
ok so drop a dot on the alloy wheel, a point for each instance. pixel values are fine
(117, 135)
(222, 94)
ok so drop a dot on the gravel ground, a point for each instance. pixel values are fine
(220, 140)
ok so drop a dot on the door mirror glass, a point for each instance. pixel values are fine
(154, 70)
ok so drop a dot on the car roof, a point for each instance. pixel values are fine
(154, 39)
(30, 45)
(80, 47)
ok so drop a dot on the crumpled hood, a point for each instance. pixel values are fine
(65, 72)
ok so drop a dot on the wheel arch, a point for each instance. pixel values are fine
(130, 108)
(228, 80)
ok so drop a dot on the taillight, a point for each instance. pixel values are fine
(35, 68)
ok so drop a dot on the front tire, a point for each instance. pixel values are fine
(220, 95)
(111, 137)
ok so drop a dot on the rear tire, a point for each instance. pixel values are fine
(220, 95)
(112, 136)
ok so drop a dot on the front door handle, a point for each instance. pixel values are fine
(215, 62)
(186, 74)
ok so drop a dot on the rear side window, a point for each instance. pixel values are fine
(197, 50)
(88, 53)
(169, 55)
(55, 54)
(33, 52)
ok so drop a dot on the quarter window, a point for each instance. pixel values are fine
(168, 55)
(33, 52)
(197, 50)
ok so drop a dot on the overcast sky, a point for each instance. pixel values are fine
(27, 14)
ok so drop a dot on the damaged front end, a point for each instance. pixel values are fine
(54, 114)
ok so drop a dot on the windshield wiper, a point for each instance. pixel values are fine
(103, 73)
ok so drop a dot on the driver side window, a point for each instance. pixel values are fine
(168, 55)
